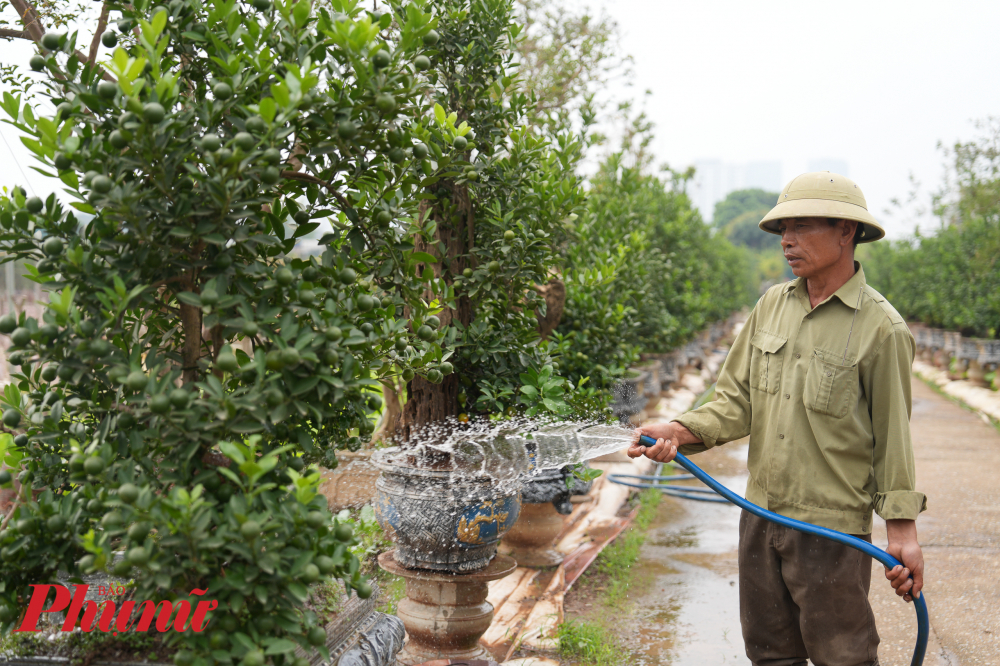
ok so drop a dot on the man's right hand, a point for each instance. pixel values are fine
(668, 437)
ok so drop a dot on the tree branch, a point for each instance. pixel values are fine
(13, 507)
(295, 175)
(102, 24)
(15, 34)
(34, 29)
(29, 18)
(176, 278)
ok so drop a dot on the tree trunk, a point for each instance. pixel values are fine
(427, 402)
(554, 293)
(393, 411)
(191, 324)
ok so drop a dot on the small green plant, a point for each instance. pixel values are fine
(373, 541)
(393, 589)
(583, 473)
(590, 402)
(590, 642)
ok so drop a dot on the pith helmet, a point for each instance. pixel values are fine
(823, 194)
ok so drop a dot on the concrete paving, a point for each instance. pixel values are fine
(689, 609)
(958, 459)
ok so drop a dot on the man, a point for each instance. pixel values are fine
(819, 378)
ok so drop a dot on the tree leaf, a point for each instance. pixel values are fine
(299, 591)
(189, 298)
(267, 109)
(423, 257)
(279, 646)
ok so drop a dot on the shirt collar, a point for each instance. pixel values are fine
(848, 292)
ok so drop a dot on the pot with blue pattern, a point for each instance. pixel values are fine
(442, 520)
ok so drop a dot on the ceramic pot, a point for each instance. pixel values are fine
(630, 396)
(351, 484)
(546, 502)
(442, 520)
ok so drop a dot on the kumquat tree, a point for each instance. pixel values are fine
(187, 368)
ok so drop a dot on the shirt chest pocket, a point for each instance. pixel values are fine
(766, 357)
(831, 388)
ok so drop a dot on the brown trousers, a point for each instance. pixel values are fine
(804, 597)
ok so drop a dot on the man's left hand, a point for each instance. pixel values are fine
(904, 547)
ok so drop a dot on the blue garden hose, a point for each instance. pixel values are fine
(919, 603)
(661, 483)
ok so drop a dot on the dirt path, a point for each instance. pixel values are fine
(688, 605)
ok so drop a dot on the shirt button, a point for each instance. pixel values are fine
(781, 436)
(809, 316)
(787, 396)
(798, 356)
(829, 374)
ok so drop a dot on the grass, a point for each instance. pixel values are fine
(615, 562)
(590, 642)
(393, 589)
(594, 642)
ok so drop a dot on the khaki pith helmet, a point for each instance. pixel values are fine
(823, 194)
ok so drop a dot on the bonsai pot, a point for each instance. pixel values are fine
(545, 503)
(351, 484)
(441, 519)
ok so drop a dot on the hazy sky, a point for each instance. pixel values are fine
(876, 84)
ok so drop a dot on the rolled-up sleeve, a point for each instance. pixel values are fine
(888, 388)
(728, 416)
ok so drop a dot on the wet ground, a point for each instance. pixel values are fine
(685, 610)
(688, 610)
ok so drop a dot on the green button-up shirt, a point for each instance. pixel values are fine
(829, 435)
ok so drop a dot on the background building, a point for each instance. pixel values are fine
(715, 179)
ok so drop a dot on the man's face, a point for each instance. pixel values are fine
(812, 245)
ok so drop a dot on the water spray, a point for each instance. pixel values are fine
(919, 603)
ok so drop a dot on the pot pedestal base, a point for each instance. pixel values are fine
(445, 614)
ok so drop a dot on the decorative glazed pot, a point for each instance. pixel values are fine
(651, 384)
(351, 484)
(532, 540)
(630, 397)
(668, 371)
(442, 520)
(938, 355)
(989, 356)
(691, 356)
